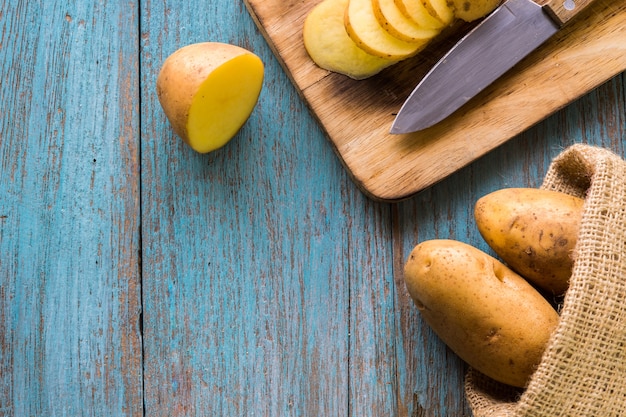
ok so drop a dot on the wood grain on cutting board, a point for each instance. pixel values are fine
(357, 115)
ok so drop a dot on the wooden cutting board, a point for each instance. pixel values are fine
(357, 115)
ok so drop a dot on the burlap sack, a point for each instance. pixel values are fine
(583, 371)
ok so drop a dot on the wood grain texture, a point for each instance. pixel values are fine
(244, 281)
(272, 285)
(563, 14)
(138, 277)
(69, 204)
(393, 167)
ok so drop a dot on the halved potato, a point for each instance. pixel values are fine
(208, 90)
(330, 47)
(363, 28)
(469, 10)
(416, 11)
(397, 24)
(441, 10)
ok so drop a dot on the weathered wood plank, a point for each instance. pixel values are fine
(271, 285)
(245, 275)
(69, 209)
(373, 363)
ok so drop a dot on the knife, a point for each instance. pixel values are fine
(512, 31)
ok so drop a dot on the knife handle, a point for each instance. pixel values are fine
(562, 11)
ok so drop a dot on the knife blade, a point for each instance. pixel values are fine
(501, 40)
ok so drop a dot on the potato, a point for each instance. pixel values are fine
(533, 231)
(330, 47)
(441, 10)
(363, 28)
(487, 314)
(398, 25)
(416, 11)
(208, 91)
(470, 10)
(384, 31)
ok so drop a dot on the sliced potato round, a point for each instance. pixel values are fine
(416, 11)
(330, 47)
(363, 28)
(400, 26)
(440, 9)
(470, 10)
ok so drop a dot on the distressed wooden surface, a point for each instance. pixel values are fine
(140, 278)
(70, 305)
(389, 167)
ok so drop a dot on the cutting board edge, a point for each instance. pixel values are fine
(364, 180)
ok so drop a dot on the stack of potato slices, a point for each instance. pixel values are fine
(359, 38)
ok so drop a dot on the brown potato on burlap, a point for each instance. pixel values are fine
(487, 314)
(534, 231)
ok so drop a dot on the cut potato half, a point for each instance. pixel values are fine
(329, 46)
(440, 9)
(208, 90)
(363, 28)
(397, 24)
(416, 11)
(470, 10)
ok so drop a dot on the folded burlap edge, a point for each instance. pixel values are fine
(583, 370)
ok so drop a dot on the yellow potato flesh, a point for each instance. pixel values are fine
(440, 9)
(223, 102)
(330, 47)
(363, 28)
(416, 11)
(208, 91)
(375, 34)
(486, 313)
(400, 26)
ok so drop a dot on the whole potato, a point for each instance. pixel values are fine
(488, 315)
(534, 231)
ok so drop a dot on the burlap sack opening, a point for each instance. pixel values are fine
(583, 370)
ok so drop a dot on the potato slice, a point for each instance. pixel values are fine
(416, 11)
(330, 47)
(208, 91)
(363, 28)
(470, 10)
(400, 26)
(440, 9)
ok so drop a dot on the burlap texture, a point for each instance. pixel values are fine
(583, 370)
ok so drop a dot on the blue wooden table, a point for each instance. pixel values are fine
(138, 277)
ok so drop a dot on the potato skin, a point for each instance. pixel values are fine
(533, 231)
(183, 72)
(488, 315)
(470, 10)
